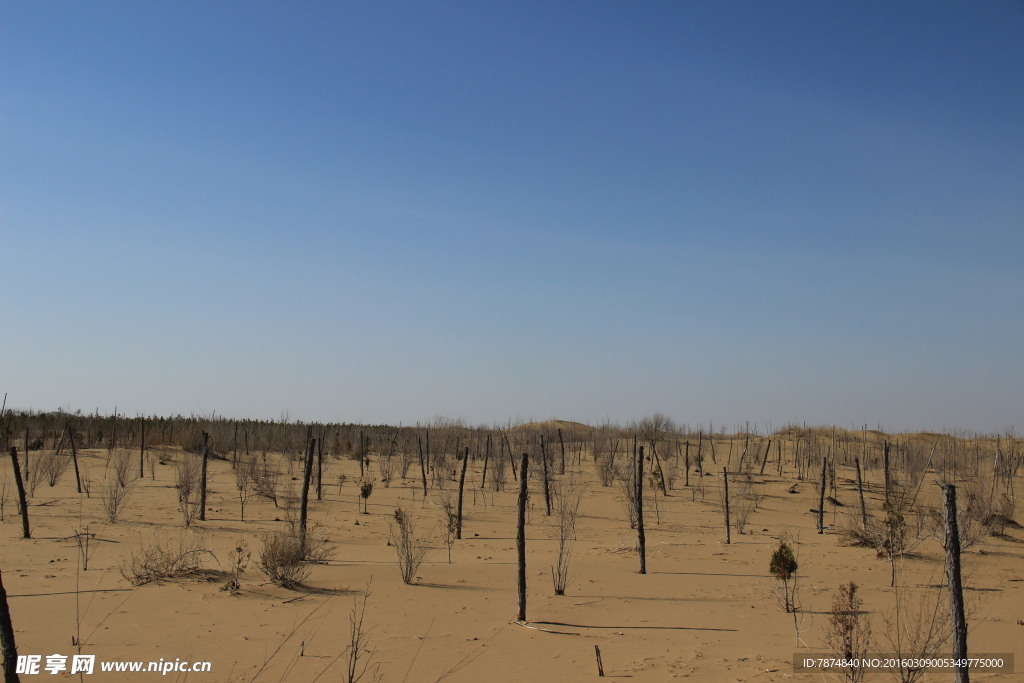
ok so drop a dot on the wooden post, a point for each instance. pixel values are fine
(561, 443)
(687, 462)
(142, 446)
(320, 468)
(22, 503)
(524, 464)
(487, 457)
(234, 443)
(307, 471)
(202, 477)
(7, 645)
(956, 591)
(547, 487)
(462, 485)
(725, 483)
(600, 665)
(74, 457)
(661, 471)
(511, 460)
(640, 537)
(764, 460)
(885, 465)
(860, 490)
(821, 498)
(423, 466)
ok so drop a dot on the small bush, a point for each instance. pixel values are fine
(161, 558)
(410, 551)
(282, 559)
(783, 567)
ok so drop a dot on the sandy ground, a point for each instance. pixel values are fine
(705, 611)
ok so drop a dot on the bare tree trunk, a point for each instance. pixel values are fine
(561, 443)
(725, 484)
(764, 460)
(956, 591)
(74, 457)
(524, 464)
(26, 448)
(687, 463)
(547, 486)
(640, 537)
(320, 468)
(487, 457)
(202, 477)
(885, 465)
(661, 471)
(860, 490)
(423, 466)
(307, 472)
(462, 485)
(22, 503)
(142, 447)
(511, 460)
(821, 498)
(7, 645)
(362, 455)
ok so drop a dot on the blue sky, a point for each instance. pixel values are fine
(389, 211)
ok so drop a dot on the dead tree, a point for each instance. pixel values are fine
(74, 458)
(307, 472)
(821, 498)
(640, 537)
(860, 490)
(22, 503)
(885, 466)
(462, 485)
(524, 464)
(487, 457)
(725, 484)
(423, 466)
(142, 446)
(956, 591)
(7, 645)
(764, 460)
(547, 486)
(202, 477)
(320, 467)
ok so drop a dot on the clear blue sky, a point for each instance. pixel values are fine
(389, 211)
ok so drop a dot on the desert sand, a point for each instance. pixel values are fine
(706, 610)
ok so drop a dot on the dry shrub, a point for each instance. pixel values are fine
(409, 550)
(849, 631)
(286, 554)
(123, 469)
(282, 559)
(187, 474)
(570, 493)
(162, 558)
(114, 498)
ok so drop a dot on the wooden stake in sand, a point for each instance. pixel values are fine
(7, 646)
(202, 477)
(307, 472)
(462, 486)
(600, 665)
(22, 503)
(640, 537)
(956, 591)
(725, 483)
(821, 498)
(524, 464)
(860, 490)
